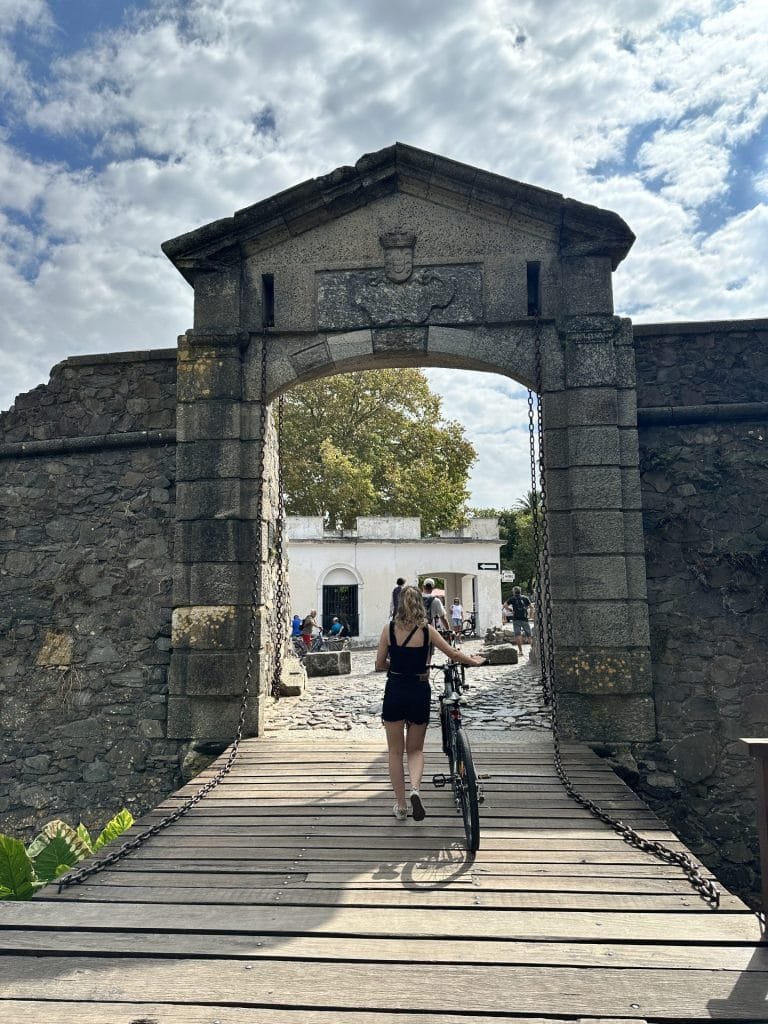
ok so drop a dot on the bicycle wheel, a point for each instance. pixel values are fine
(467, 628)
(466, 790)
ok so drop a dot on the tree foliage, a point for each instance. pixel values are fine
(374, 442)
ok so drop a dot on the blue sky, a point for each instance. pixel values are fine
(123, 124)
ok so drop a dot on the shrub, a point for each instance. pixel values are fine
(58, 847)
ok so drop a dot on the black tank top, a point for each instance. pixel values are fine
(408, 661)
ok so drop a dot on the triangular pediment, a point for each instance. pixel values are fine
(582, 230)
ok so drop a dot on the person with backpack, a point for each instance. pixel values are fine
(433, 606)
(521, 625)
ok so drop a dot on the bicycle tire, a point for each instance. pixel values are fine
(467, 628)
(465, 782)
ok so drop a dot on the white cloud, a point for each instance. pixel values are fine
(194, 109)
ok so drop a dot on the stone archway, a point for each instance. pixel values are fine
(411, 259)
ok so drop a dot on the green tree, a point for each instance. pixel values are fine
(374, 442)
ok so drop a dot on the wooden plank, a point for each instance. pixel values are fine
(716, 926)
(734, 958)
(65, 1012)
(430, 989)
(668, 883)
(400, 897)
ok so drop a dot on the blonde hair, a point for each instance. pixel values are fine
(410, 608)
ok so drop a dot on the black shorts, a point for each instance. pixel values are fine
(406, 698)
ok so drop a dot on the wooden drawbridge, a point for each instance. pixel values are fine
(290, 895)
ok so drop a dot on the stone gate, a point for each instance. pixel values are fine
(410, 259)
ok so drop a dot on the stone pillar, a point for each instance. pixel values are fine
(219, 440)
(600, 613)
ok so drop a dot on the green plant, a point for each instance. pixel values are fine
(57, 848)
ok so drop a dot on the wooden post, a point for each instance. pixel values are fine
(759, 750)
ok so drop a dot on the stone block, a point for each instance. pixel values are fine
(350, 345)
(602, 623)
(214, 627)
(219, 583)
(215, 673)
(590, 364)
(207, 420)
(208, 499)
(604, 670)
(501, 654)
(597, 487)
(597, 532)
(215, 540)
(211, 719)
(203, 376)
(293, 679)
(207, 460)
(587, 285)
(217, 300)
(600, 577)
(328, 663)
(695, 757)
(606, 719)
(401, 340)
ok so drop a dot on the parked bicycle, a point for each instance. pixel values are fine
(468, 626)
(464, 779)
(319, 643)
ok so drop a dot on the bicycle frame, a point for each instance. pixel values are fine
(467, 791)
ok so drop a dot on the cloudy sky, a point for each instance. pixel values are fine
(124, 124)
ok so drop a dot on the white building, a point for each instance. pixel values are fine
(354, 571)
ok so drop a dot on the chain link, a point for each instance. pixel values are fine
(704, 886)
(77, 877)
(281, 585)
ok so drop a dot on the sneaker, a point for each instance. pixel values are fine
(419, 814)
(401, 813)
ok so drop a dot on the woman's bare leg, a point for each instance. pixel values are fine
(414, 746)
(396, 747)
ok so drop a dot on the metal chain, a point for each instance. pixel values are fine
(705, 888)
(77, 877)
(536, 526)
(281, 588)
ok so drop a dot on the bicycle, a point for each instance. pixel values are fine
(468, 626)
(465, 781)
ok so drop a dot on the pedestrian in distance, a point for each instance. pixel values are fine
(296, 626)
(396, 594)
(308, 627)
(457, 616)
(404, 652)
(433, 606)
(521, 625)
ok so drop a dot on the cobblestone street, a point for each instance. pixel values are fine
(501, 698)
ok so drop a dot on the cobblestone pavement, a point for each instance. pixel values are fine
(501, 698)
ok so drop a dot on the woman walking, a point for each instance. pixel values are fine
(404, 651)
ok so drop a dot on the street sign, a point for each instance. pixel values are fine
(488, 565)
(507, 576)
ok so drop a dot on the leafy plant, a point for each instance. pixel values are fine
(56, 849)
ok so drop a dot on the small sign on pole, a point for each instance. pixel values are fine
(507, 576)
(493, 566)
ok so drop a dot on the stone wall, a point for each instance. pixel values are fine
(704, 471)
(87, 506)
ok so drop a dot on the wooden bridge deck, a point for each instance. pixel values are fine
(290, 895)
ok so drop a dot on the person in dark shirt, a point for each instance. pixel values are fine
(404, 651)
(396, 594)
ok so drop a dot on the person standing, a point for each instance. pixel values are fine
(404, 651)
(433, 606)
(457, 616)
(521, 625)
(308, 626)
(396, 594)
